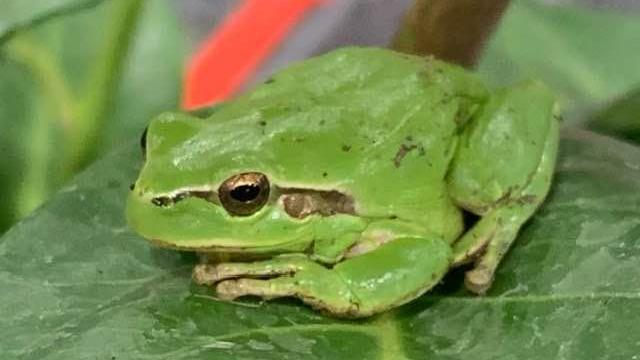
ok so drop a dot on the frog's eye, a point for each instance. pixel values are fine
(244, 194)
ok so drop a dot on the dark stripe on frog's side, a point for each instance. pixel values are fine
(298, 202)
(165, 201)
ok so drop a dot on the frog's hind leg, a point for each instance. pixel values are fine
(502, 172)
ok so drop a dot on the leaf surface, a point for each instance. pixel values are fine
(75, 283)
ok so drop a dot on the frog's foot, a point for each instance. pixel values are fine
(490, 238)
(502, 172)
(486, 243)
(388, 276)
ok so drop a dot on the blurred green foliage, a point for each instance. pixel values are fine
(587, 56)
(620, 118)
(25, 14)
(76, 85)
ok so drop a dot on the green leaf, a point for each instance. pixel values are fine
(586, 55)
(18, 15)
(75, 283)
(620, 118)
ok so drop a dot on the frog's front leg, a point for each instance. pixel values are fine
(285, 275)
(388, 276)
(502, 172)
(209, 274)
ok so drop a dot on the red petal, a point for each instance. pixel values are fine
(237, 47)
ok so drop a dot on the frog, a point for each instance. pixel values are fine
(347, 180)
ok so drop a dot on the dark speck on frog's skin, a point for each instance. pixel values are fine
(270, 81)
(262, 123)
(325, 174)
(346, 148)
(528, 199)
(402, 152)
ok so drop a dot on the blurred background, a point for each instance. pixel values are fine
(79, 78)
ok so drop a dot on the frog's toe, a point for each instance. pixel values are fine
(266, 289)
(229, 290)
(205, 274)
(319, 295)
(478, 280)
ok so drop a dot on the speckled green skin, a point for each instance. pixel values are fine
(413, 141)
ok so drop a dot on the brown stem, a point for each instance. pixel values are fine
(451, 30)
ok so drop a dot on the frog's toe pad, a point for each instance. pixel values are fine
(230, 289)
(478, 280)
(204, 274)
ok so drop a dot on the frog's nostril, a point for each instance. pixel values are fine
(143, 141)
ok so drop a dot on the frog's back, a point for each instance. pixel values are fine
(378, 125)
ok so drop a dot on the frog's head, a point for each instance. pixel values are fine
(226, 186)
(273, 170)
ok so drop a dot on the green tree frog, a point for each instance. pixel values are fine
(343, 180)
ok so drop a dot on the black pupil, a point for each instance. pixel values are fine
(245, 193)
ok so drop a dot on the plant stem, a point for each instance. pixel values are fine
(102, 86)
(451, 30)
(35, 185)
(43, 67)
(45, 70)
